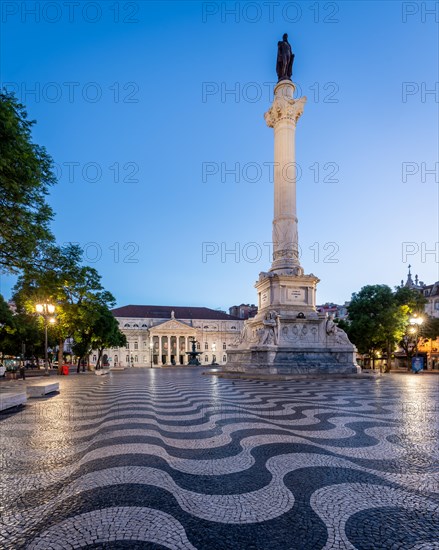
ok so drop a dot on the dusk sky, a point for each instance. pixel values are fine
(153, 114)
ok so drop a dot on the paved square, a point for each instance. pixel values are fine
(172, 459)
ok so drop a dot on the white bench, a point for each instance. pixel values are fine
(100, 372)
(40, 390)
(12, 399)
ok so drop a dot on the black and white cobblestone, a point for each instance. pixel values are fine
(171, 459)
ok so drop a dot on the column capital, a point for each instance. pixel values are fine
(284, 108)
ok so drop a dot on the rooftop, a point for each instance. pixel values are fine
(164, 312)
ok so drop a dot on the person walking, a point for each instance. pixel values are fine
(22, 369)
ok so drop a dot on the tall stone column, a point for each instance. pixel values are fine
(282, 117)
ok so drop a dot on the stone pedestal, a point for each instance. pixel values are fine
(288, 336)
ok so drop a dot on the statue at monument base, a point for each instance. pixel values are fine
(292, 344)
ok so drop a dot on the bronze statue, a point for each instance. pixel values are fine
(285, 59)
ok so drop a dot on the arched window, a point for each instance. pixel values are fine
(224, 358)
(136, 345)
(127, 325)
(206, 345)
(206, 358)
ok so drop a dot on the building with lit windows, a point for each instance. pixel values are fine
(161, 336)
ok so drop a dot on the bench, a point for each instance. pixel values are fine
(12, 399)
(100, 372)
(40, 390)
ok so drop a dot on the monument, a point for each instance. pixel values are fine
(288, 335)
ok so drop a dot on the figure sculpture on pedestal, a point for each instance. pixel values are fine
(285, 59)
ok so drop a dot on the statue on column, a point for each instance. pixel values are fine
(285, 59)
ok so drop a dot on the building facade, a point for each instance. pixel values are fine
(244, 311)
(161, 336)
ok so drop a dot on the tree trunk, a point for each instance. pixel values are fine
(389, 357)
(78, 368)
(98, 362)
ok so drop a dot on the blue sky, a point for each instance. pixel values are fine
(147, 107)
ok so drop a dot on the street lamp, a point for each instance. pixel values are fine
(150, 351)
(45, 310)
(415, 324)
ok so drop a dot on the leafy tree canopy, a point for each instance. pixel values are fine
(26, 174)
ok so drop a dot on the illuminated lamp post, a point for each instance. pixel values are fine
(46, 310)
(415, 325)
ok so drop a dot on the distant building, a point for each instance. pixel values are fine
(339, 312)
(161, 335)
(427, 347)
(431, 293)
(244, 311)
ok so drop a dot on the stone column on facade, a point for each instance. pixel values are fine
(282, 117)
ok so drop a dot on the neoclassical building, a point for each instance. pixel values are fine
(161, 335)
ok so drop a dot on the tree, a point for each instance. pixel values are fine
(7, 327)
(75, 289)
(414, 301)
(26, 174)
(376, 320)
(106, 333)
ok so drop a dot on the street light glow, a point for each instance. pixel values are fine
(416, 321)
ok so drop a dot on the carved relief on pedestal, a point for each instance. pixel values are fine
(284, 108)
(294, 333)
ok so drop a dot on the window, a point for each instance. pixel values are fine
(135, 326)
(115, 359)
(198, 346)
(206, 345)
(94, 358)
(224, 358)
(127, 325)
(127, 346)
(127, 359)
(136, 345)
(233, 327)
(145, 359)
(206, 358)
(144, 325)
(136, 359)
(145, 344)
(224, 345)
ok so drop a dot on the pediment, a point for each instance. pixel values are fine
(171, 326)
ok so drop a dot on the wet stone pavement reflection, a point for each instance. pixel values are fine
(156, 458)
